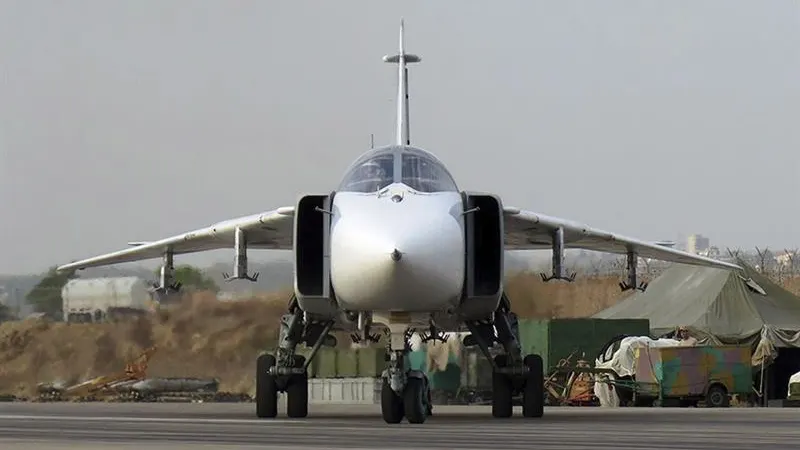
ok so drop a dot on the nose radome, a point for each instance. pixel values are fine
(384, 259)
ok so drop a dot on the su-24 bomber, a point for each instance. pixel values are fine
(398, 247)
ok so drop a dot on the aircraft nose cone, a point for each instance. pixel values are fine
(396, 255)
(387, 259)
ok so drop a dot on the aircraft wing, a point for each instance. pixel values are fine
(268, 230)
(525, 230)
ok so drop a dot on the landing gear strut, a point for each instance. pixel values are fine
(404, 392)
(511, 373)
(286, 371)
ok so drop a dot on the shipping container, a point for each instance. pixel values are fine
(95, 299)
(556, 339)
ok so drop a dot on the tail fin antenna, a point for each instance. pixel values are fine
(401, 59)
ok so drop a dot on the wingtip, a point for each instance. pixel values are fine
(73, 265)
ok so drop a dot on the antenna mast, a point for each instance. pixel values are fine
(401, 59)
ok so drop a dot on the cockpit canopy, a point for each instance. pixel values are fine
(417, 169)
(372, 172)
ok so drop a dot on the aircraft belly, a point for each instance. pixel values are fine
(427, 271)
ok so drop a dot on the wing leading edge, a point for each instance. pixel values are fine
(268, 230)
(525, 230)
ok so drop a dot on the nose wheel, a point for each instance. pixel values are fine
(404, 393)
(414, 403)
(415, 400)
(392, 407)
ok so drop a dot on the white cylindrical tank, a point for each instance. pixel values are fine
(82, 296)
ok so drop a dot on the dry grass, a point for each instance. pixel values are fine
(202, 337)
(531, 297)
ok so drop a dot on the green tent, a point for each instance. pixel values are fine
(718, 306)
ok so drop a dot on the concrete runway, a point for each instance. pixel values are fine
(233, 425)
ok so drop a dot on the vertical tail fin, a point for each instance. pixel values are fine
(401, 59)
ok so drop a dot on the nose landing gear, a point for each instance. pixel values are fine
(404, 392)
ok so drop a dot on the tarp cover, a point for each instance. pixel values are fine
(718, 307)
(623, 363)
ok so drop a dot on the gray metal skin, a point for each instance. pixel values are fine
(394, 259)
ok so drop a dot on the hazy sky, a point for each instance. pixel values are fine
(124, 121)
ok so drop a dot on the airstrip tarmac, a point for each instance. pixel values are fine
(228, 426)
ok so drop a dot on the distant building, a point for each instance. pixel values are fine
(696, 244)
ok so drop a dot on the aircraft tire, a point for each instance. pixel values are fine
(533, 392)
(297, 391)
(266, 388)
(414, 402)
(429, 395)
(392, 408)
(297, 396)
(502, 391)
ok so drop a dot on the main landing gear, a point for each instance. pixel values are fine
(286, 371)
(511, 374)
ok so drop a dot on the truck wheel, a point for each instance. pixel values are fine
(717, 397)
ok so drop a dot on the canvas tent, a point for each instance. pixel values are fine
(718, 306)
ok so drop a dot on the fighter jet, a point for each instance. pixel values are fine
(398, 246)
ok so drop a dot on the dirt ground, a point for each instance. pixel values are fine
(203, 337)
